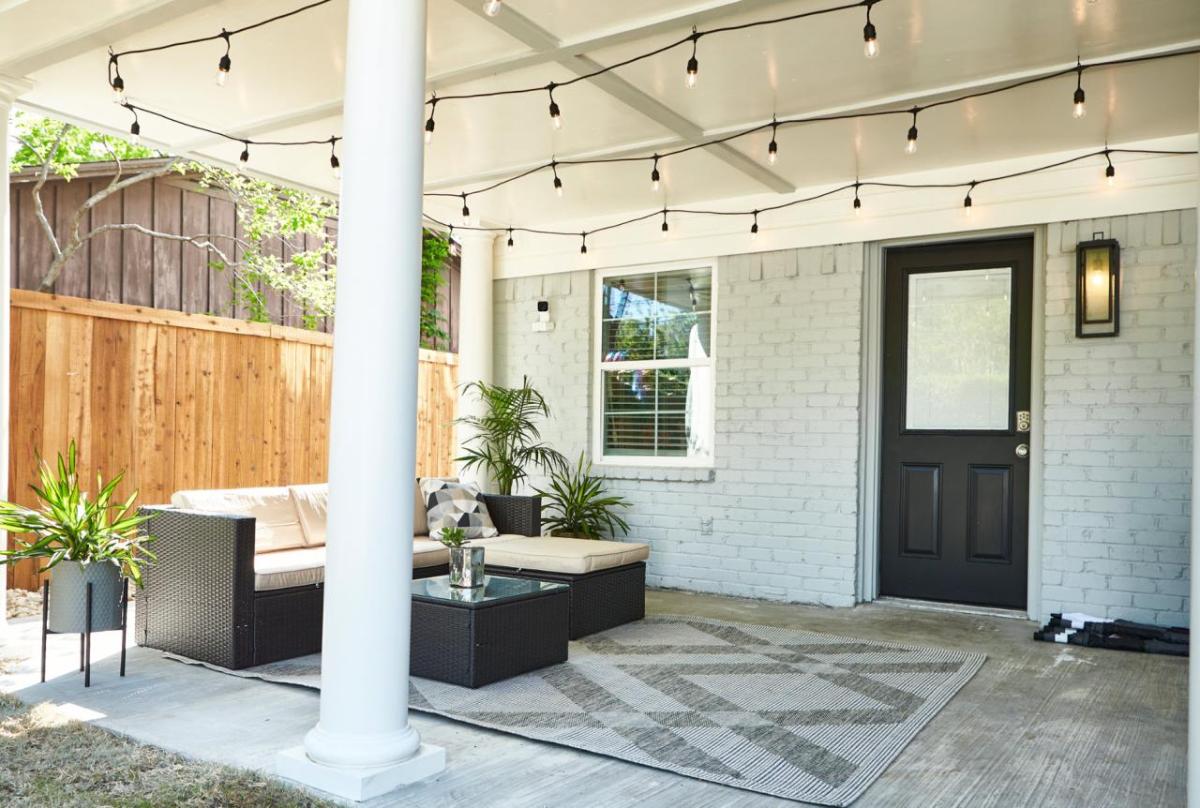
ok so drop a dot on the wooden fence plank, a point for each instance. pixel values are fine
(74, 277)
(107, 248)
(194, 272)
(167, 291)
(137, 280)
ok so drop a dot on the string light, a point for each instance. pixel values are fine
(655, 177)
(558, 183)
(754, 227)
(911, 145)
(693, 65)
(665, 227)
(135, 129)
(335, 165)
(225, 63)
(430, 124)
(968, 203)
(1110, 171)
(492, 7)
(870, 40)
(856, 186)
(1079, 108)
(244, 157)
(555, 112)
(115, 81)
(510, 239)
(773, 147)
(466, 211)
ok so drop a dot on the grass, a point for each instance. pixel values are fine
(50, 760)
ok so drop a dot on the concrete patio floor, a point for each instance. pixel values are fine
(1040, 725)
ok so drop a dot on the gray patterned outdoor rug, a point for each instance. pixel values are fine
(810, 717)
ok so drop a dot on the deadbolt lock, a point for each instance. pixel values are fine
(1024, 421)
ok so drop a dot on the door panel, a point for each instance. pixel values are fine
(954, 493)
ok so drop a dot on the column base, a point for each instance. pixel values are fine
(359, 784)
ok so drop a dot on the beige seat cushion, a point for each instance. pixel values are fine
(312, 507)
(569, 556)
(429, 553)
(276, 522)
(287, 568)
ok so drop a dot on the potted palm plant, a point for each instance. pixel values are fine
(578, 507)
(83, 540)
(506, 440)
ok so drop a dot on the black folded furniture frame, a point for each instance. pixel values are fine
(198, 598)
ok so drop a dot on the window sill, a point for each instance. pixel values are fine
(685, 474)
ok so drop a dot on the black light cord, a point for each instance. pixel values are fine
(971, 185)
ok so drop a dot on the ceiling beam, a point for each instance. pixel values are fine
(676, 21)
(530, 33)
(103, 33)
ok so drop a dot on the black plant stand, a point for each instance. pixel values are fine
(85, 639)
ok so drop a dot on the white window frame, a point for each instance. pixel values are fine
(599, 366)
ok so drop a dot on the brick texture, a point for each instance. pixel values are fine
(1118, 427)
(776, 516)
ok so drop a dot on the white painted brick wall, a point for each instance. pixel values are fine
(1118, 427)
(776, 518)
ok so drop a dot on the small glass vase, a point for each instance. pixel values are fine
(466, 567)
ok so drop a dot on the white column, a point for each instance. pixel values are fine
(474, 328)
(363, 745)
(10, 88)
(1193, 747)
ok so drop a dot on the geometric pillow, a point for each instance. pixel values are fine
(451, 504)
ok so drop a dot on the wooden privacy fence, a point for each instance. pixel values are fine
(183, 400)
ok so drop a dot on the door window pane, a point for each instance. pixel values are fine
(959, 348)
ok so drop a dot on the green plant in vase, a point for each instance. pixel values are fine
(577, 506)
(82, 539)
(453, 537)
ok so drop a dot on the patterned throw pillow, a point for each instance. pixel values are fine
(452, 504)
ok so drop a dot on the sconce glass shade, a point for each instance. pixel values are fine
(1097, 288)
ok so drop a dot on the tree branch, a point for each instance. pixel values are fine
(39, 209)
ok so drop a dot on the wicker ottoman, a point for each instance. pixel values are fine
(607, 578)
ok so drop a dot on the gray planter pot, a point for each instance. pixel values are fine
(68, 597)
(466, 567)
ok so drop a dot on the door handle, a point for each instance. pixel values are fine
(1022, 450)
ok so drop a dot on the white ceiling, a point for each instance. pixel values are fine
(287, 79)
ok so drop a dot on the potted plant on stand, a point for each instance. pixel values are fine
(506, 442)
(578, 507)
(83, 541)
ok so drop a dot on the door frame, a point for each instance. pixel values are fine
(871, 406)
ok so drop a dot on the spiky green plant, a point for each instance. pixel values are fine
(577, 506)
(506, 440)
(453, 536)
(70, 526)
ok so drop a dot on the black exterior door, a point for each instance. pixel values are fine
(954, 496)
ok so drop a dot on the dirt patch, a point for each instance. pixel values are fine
(22, 603)
(50, 760)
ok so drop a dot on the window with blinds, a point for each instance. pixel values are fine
(655, 388)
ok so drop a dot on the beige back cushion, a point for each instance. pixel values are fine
(312, 506)
(420, 513)
(276, 525)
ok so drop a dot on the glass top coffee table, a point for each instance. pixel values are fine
(473, 637)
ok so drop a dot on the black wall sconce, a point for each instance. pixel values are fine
(1098, 287)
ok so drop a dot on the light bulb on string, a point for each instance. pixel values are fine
(1079, 104)
(857, 201)
(225, 63)
(1110, 171)
(244, 157)
(430, 125)
(655, 177)
(910, 145)
(335, 165)
(693, 65)
(135, 129)
(116, 82)
(870, 38)
(492, 7)
(558, 183)
(665, 227)
(773, 147)
(466, 211)
(583, 244)
(510, 239)
(968, 203)
(555, 112)
(754, 226)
